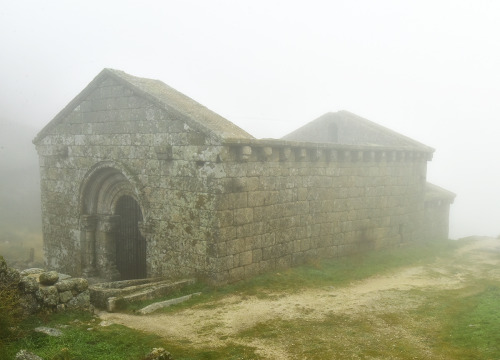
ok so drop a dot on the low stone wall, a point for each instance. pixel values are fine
(46, 291)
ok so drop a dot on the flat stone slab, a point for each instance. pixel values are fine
(163, 304)
(26, 355)
(49, 331)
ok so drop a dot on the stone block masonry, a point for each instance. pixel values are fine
(317, 202)
(140, 181)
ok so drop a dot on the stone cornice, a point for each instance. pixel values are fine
(265, 150)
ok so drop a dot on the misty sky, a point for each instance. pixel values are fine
(427, 69)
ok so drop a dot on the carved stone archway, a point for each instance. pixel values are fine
(102, 191)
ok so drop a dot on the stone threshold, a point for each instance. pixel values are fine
(111, 295)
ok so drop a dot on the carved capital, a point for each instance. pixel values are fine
(88, 222)
(109, 223)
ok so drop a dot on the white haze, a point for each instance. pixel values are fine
(427, 69)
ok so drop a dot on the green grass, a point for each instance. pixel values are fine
(330, 272)
(443, 324)
(83, 338)
(337, 337)
(469, 320)
(477, 325)
(448, 324)
(340, 272)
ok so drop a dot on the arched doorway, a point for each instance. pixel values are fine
(130, 244)
(112, 218)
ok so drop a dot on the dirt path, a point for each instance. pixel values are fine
(217, 323)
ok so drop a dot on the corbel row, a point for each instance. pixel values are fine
(268, 153)
(245, 152)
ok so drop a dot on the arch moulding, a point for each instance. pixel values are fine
(101, 188)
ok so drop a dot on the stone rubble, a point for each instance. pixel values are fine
(46, 290)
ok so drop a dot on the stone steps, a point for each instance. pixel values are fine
(112, 295)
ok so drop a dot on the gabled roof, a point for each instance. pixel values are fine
(434, 192)
(161, 95)
(346, 128)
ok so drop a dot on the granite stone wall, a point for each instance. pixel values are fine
(219, 209)
(286, 203)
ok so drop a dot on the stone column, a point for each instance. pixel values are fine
(106, 246)
(146, 231)
(88, 224)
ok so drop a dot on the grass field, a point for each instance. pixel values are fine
(438, 322)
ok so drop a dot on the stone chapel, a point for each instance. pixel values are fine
(139, 180)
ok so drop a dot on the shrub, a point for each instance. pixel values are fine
(11, 312)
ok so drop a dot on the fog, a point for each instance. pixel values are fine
(427, 69)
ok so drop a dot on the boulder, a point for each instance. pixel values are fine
(49, 277)
(29, 304)
(28, 284)
(76, 284)
(65, 296)
(8, 275)
(81, 301)
(49, 295)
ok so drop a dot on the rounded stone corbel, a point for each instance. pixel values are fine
(245, 153)
(285, 154)
(392, 156)
(301, 154)
(369, 155)
(266, 153)
(381, 156)
(315, 154)
(333, 155)
(346, 155)
(358, 155)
